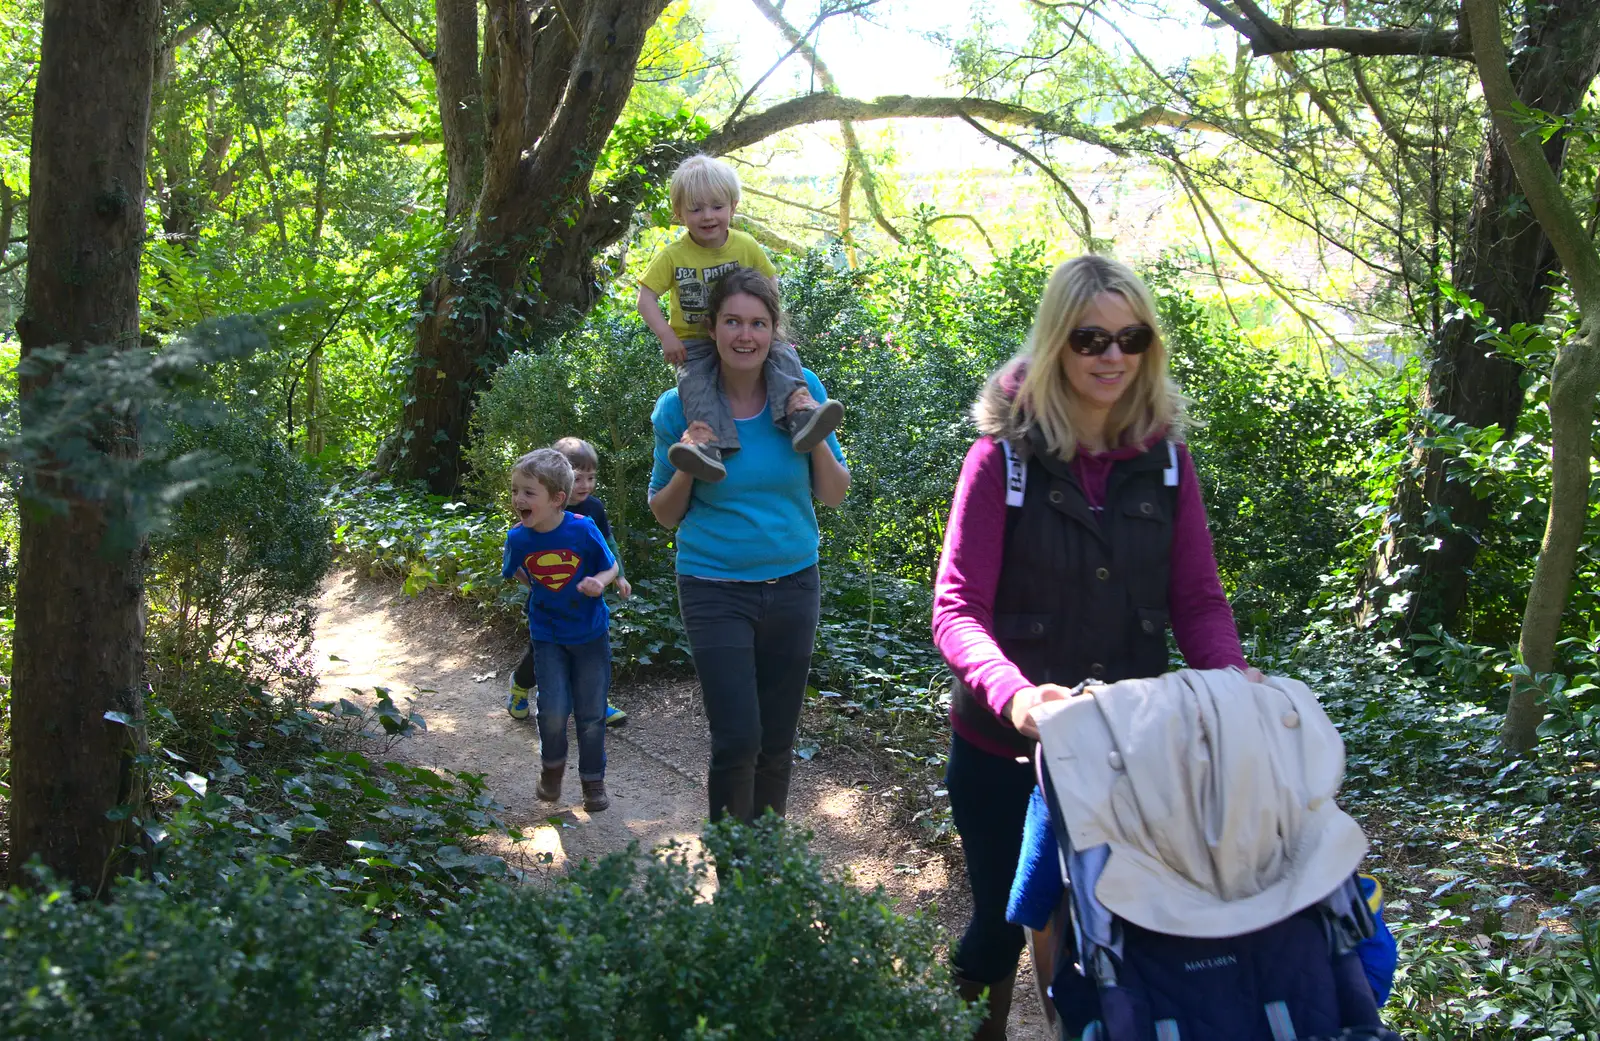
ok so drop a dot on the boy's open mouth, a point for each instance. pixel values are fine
(524, 513)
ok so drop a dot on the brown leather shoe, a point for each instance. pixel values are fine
(595, 798)
(550, 782)
(998, 1006)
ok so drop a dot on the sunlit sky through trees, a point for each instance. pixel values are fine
(910, 47)
(903, 47)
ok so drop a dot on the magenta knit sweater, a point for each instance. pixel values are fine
(969, 574)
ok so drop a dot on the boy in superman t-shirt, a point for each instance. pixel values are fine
(566, 566)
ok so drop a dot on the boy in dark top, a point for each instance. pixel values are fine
(585, 503)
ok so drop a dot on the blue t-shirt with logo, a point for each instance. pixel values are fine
(555, 562)
(758, 522)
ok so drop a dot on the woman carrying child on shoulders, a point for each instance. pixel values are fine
(704, 193)
(1076, 536)
(748, 586)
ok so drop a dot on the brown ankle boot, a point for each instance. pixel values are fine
(595, 798)
(550, 782)
(998, 1006)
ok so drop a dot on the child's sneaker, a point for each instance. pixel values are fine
(702, 462)
(595, 798)
(517, 701)
(615, 717)
(808, 427)
(550, 782)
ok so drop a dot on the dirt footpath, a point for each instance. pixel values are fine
(439, 658)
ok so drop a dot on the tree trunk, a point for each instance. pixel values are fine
(460, 102)
(79, 631)
(1505, 262)
(556, 78)
(1574, 382)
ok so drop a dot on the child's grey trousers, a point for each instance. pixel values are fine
(700, 389)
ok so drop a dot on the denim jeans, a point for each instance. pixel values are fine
(989, 801)
(574, 680)
(752, 651)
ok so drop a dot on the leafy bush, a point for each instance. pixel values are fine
(1278, 450)
(255, 955)
(599, 382)
(233, 574)
(1512, 471)
(615, 949)
(427, 540)
(906, 343)
(314, 789)
(783, 951)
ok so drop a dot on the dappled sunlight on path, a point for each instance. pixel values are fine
(449, 664)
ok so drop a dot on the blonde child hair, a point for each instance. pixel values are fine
(549, 467)
(1152, 402)
(701, 178)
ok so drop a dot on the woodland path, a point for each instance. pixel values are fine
(447, 662)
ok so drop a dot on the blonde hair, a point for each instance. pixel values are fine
(701, 178)
(1046, 399)
(549, 467)
(579, 453)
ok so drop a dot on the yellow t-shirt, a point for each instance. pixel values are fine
(690, 270)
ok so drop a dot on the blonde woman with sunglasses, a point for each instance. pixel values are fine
(1076, 537)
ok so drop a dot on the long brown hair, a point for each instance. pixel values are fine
(751, 282)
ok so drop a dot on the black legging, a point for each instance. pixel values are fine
(989, 802)
(524, 676)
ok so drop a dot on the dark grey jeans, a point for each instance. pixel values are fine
(752, 651)
(700, 389)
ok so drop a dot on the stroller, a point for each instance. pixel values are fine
(1302, 975)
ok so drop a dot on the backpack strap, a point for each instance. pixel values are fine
(1017, 471)
(1016, 474)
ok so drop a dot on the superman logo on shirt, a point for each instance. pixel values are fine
(552, 568)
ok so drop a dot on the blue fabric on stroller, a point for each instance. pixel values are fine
(1301, 978)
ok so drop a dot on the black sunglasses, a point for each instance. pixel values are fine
(1095, 341)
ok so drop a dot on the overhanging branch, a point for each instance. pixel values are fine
(823, 108)
(1045, 168)
(1267, 36)
(423, 51)
(931, 221)
(852, 145)
(1309, 320)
